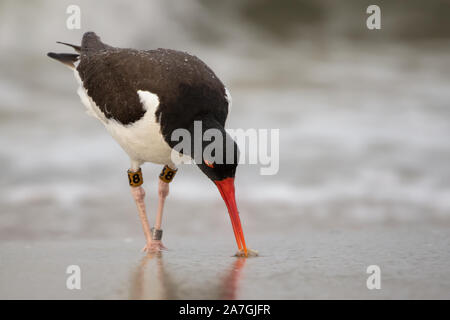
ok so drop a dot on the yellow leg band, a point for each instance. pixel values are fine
(135, 178)
(167, 174)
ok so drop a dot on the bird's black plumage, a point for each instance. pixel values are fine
(187, 88)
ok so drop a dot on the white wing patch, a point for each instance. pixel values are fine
(229, 99)
(149, 100)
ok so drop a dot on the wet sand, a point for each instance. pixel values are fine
(312, 263)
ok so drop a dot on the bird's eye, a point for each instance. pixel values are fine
(209, 164)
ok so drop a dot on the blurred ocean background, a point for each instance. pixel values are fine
(364, 116)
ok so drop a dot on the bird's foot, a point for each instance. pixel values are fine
(250, 253)
(154, 246)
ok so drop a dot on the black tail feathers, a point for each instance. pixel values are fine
(90, 43)
(76, 48)
(66, 58)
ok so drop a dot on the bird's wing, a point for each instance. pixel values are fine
(185, 86)
(107, 82)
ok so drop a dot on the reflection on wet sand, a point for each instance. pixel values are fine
(152, 281)
(149, 281)
(230, 283)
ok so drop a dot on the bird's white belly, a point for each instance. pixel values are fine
(141, 140)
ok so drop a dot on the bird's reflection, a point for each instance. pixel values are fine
(230, 284)
(152, 280)
(149, 279)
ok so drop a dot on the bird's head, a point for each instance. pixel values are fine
(213, 149)
(218, 170)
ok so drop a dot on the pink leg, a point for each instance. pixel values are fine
(163, 192)
(139, 195)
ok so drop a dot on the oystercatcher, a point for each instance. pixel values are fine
(141, 97)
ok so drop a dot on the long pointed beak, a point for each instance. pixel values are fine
(226, 188)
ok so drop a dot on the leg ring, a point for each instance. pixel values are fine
(156, 234)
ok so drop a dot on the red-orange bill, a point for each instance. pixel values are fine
(226, 189)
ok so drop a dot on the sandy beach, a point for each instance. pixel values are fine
(320, 263)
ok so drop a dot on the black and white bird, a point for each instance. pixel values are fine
(141, 97)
